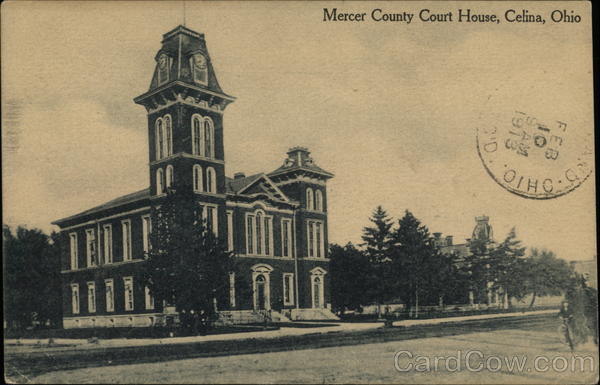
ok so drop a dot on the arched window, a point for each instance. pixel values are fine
(168, 135)
(209, 146)
(211, 180)
(169, 176)
(196, 135)
(159, 138)
(197, 178)
(310, 202)
(160, 187)
(318, 200)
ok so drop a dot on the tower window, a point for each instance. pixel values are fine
(316, 239)
(169, 176)
(318, 200)
(168, 135)
(208, 138)
(164, 137)
(159, 139)
(160, 187)
(211, 180)
(203, 136)
(310, 202)
(196, 135)
(197, 175)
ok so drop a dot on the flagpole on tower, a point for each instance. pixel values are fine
(183, 12)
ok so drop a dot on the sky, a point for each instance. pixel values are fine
(391, 109)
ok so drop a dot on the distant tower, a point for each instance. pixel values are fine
(483, 230)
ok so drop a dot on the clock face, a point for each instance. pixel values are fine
(162, 61)
(200, 61)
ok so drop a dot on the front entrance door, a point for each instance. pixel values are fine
(260, 292)
(317, 292)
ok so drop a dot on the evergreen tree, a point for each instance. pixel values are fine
(507, 268)
(415, 262)
(477, 268)
(377, 238)
(187, 266)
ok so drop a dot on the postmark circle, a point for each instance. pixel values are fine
(532, 155)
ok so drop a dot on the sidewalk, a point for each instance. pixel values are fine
(34, 344)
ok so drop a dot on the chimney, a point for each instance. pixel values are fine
(437, 235)
(449, 240)
(239, 175)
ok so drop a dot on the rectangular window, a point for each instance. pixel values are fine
(229, 230)
(268, 237)
(288, 289)
(110, 295)
(91, 297)
(75, 298)
(108, 248)
(209, 215)
(311, 239)
(149, 299)
(316, 239)
(146, 228)
(250, 234)
(232, 290)
(90, 244)
(126, 227)
(286, 238)
(128, 291)
(73, 248)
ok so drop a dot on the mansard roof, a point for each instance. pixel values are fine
(112, 204)
(180, 45)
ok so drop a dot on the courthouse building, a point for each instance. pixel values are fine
(275, 222)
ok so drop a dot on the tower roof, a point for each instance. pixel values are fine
(183, 63)
(299, 161)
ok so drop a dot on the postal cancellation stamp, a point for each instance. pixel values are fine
(534, 156)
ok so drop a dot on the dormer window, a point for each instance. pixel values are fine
(199, 66)
(163, 68)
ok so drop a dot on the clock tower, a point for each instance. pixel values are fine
(185, 107)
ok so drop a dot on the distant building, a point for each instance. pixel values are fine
(481, 232)
(275, 223)
(589, 270)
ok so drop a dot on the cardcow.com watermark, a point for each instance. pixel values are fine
(477, 361)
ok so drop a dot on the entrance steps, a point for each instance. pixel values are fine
(241, 317)
(313, 315)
